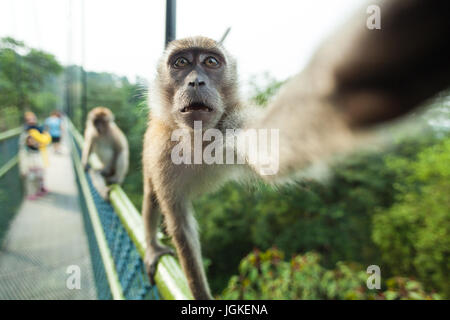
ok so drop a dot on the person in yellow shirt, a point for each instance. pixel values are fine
(33, 156)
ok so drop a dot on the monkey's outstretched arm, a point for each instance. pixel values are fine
(361, 77)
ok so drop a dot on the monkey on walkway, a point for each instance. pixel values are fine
(103, 137)
(357, 79)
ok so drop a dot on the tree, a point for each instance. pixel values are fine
(26, 81)
(414, 234)
(268, 276)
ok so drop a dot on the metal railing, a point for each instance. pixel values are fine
(119, 232)
(6, 163)
(11, 190)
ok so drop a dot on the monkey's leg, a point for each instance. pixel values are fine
(151, 216)
(121, 168)
(183, 229)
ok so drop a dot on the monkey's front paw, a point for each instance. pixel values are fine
(105, 173)
(105, 193)
(112, 180)
(151, 260)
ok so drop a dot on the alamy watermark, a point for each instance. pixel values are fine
(258, 147)
(373, 22)
(374, 280)
(74, 279)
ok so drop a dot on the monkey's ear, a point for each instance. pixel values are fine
(383, 73)
(361, 77)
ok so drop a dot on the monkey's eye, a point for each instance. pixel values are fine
(211, 62)
(181, 63)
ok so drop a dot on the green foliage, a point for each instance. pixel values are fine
(127, 101)
(10, 117)
(26, 76)
(414, 234)
(266, 275)
(262, 93)
(332, 218)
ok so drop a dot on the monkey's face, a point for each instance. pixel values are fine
(101, 124)
(197, 76)
(101, 118)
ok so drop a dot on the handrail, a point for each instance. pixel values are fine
(9, 165)
(10, 133)
(169, 278)
(15, 159)
(108, 262)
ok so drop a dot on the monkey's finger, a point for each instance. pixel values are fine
(152, 265)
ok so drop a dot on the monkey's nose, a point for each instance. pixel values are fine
(197, 83)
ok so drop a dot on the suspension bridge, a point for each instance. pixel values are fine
(72, 231)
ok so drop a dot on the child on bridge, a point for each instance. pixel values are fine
(33, 156)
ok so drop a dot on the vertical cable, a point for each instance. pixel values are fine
(83, 67)
(69, 60)
(171, 17)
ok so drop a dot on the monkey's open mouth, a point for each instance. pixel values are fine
(196, 106)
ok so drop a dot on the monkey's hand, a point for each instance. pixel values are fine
(106, 173)
(152, 256)
(105, 192)
(112, 180)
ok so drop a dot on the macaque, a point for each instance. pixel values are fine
(103, 137)
(357, 79)
(196, 81)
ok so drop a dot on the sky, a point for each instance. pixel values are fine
(126, 37)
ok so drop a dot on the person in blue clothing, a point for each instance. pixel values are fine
(53, 124)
